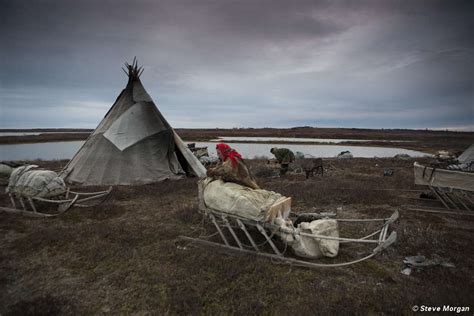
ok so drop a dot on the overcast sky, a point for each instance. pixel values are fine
(373, 64)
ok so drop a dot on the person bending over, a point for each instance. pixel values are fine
(284, 157)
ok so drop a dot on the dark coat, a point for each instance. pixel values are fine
(283, 155)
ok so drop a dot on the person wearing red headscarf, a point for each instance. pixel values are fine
(232, 168)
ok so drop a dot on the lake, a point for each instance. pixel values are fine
(2, 134)
(252, 150)
(44, 151)
(66, 150)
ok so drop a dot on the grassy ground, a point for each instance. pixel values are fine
(124, 256)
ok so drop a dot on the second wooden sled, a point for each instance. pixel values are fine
(27, 205)
(452, 188)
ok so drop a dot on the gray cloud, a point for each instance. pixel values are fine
(407, 64)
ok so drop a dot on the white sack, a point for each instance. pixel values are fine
(320, 247)
(310, 247)
(35, 183)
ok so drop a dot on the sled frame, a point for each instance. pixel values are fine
(233, 223)
(26, 205)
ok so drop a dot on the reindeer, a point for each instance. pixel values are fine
(311, 165)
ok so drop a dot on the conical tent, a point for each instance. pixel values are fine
(468, 155)
(134, 144)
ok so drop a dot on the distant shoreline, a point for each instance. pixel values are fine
(46, 130)
(422, 140)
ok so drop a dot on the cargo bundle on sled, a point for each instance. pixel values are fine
(29, 186)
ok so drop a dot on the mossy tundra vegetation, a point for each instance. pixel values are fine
(124, 256)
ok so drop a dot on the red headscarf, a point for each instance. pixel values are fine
(227, 152)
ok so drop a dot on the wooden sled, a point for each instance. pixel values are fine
(64, 202)
(453, 189)
(239, 235)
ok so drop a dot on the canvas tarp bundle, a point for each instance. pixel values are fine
(238, 200)
(465, 162)
(443, 178)
(235, 199)
(345, 154)
(26, 181)
(466, 167)
(5, 170)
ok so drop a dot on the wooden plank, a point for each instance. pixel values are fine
(282, 208)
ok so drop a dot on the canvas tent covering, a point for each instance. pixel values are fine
(133, 144)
